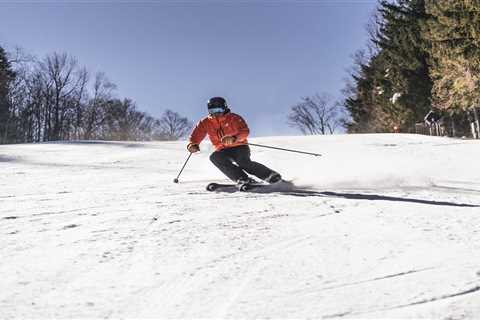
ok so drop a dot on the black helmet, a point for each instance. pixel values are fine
(217, 102)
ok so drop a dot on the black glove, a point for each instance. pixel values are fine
(192, 147)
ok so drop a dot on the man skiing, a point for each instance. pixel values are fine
(228, 133)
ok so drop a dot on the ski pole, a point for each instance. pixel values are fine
(290, 150)
(176, 179)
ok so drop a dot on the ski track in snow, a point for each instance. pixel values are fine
(381, 226)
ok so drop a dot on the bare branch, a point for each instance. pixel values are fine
(315, 115)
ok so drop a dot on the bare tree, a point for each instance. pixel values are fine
(95, 113)
(77, 106)
(315, 115)
(64, 84)
(173, 126)
(35, 109)
(51, 100)
(123, 121)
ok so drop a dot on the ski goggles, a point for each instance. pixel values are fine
(216, 110)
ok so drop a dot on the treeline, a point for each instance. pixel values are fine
(422, 55)
(57, 99)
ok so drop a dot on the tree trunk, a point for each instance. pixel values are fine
(476, 123)
(454, 131)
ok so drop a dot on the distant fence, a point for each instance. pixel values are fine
(464, 124)
(430, 130)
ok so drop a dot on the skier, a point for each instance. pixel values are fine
(228, 133)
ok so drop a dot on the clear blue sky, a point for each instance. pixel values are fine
(263, 56)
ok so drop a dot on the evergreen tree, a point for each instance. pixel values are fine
(405, 53)
(364, 96)
(6, 77)
(393, 88)
(453, 28)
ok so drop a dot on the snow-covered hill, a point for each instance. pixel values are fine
(380, 226)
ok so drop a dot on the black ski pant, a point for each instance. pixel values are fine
(235, 163)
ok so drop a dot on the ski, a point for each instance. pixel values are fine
(250, 186)
(220, 186)
(233, 187)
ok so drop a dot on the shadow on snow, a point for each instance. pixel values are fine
(371, 197)
(288, 188)
(7, 159)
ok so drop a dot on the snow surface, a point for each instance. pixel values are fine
(380, 226)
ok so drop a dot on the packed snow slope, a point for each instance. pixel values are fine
(379, 226)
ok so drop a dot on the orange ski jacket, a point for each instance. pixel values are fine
(228, 124)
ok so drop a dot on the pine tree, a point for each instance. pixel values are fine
(454, 31)
(6, 76)
(365, 97)
(405, 54)
(393, 89)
